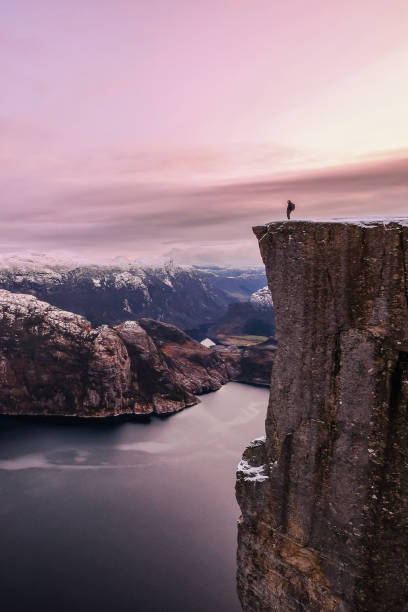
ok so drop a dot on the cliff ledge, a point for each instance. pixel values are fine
(324, 497)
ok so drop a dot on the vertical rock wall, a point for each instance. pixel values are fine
(324, 498)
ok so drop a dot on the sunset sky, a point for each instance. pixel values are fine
(153, 128)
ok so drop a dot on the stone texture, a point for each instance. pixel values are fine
(326, 529)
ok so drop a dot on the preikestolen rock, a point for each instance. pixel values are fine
(324, 524)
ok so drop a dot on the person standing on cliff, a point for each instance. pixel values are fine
(291, 207)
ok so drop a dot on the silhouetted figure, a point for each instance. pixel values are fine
(291, 207)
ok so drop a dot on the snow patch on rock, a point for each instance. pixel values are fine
(257, 442)
(251, 473)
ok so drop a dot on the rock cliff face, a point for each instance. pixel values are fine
(53, 362)
(324, 498)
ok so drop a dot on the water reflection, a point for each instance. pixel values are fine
(125, 516)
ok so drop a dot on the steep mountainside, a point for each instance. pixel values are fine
(190, 298)
(53, 362)
(253, 317)
(324, 497)
(251, 365)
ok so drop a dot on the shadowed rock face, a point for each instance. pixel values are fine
(324, 498)
(53, 362)
(255, 317)
(251, 365)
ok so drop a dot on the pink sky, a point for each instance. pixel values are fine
(169, 128)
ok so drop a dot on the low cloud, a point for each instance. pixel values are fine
(207, 223)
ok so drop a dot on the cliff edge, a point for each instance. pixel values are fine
(324, 497)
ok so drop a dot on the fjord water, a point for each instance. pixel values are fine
(128, 515)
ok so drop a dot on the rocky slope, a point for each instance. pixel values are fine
(53, 362)
(251, 365)
(324, 497)
(191, 298)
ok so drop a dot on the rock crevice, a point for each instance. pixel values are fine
(327, 529)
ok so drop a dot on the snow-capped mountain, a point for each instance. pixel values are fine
(262, 299)
(189, 297)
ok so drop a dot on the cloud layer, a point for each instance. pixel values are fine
(197, 223)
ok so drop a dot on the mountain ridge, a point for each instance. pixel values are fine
(189, 297)
(56, 363)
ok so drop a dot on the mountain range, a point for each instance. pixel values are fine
(192, 298)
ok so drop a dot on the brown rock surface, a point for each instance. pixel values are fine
(324, 498)
(53, 362)
(194, 367)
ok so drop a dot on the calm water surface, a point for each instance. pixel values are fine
(127, 516)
